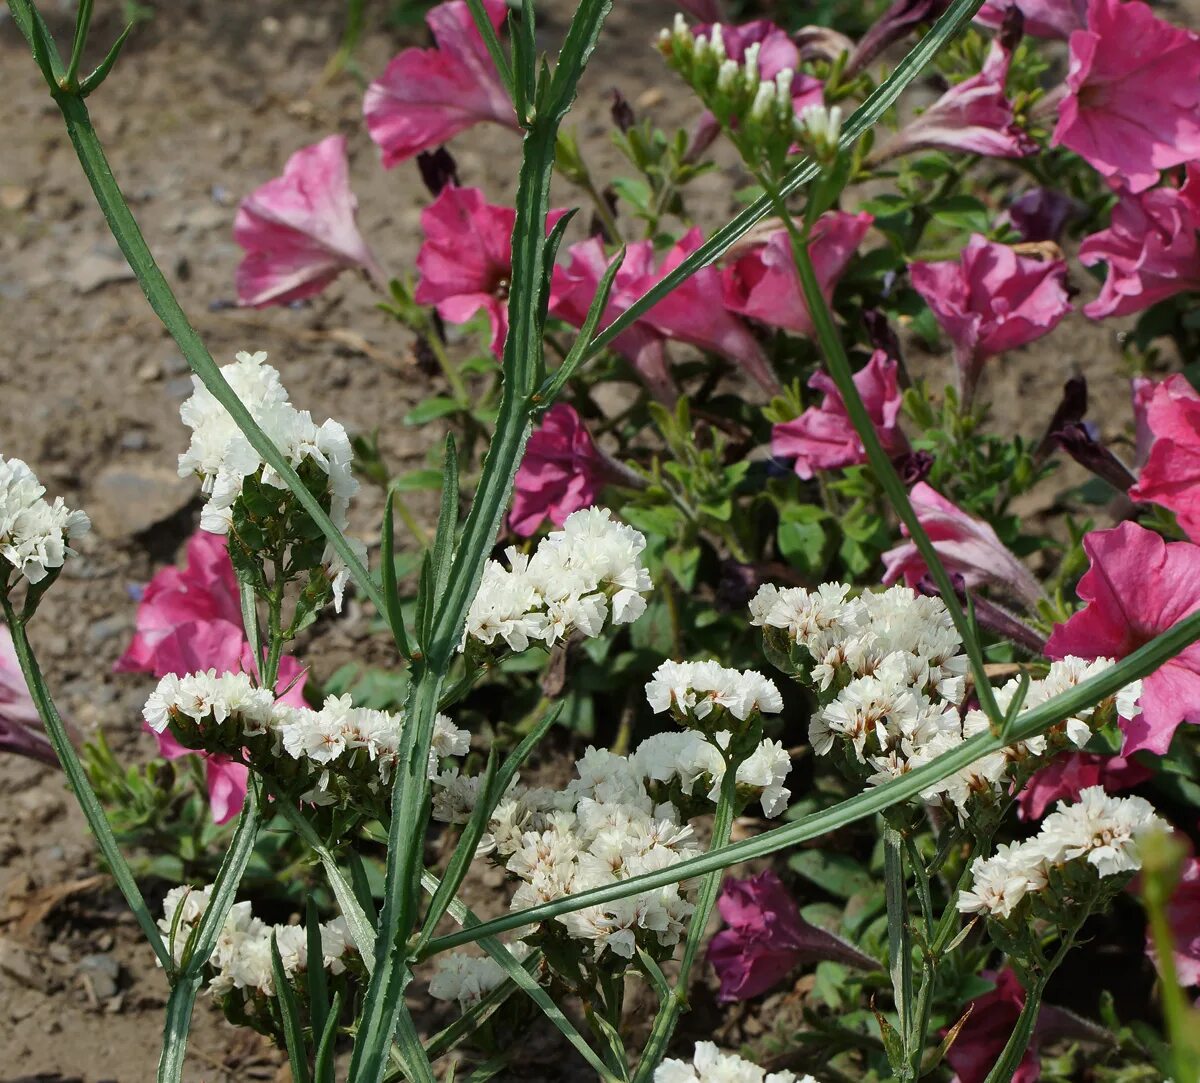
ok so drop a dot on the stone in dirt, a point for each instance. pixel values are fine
(126, 500)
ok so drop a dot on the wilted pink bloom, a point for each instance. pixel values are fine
(992, 300)
(20, 725)
(766, 938)
(1183, 914)
(693, 313)
(972, 117)
(1041, 18)
(765, 285)
(1041, 214)
(822, 438)
(967, 546)
(427, 96)
(1150, 247)
(1138, 586)
(1067, 776)
(1133, 106)
(708, 11)
(466, 260)
(299, 230)
(900, 19)
(1171, 476)
(562, 471)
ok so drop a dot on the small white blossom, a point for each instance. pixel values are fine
(33, 532)
(710, 1065)
(698, 687)
(467, 979)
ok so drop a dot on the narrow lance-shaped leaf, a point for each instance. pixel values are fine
(289, 1011)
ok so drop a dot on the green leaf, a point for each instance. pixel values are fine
(418, 481)
(293, 1030)
(431, 409)
(802, 538)
(318, 982)
(839, 874)
(323, 1065)
(683, 564)
(962, 212)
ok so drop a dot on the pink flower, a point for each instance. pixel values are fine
(1042, 18)
(1067, 776)
(188, 620)
(1150, 247)
(1183, 914)
(1141, 391)
(425, 97)
(562, 471)
(693, 313)
(707, 10)
(1133, 103)
(991, 300)
(991, 1022)
(1138, 586)
(766, 938)
(967, 547)
(765, 285)
(822, 438)
(1171, 476)
(299, 230)
(20, 725)
(973, 117)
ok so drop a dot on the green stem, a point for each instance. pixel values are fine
(899, 940)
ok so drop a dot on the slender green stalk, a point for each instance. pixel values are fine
(899, 940)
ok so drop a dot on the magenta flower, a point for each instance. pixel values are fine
(972, 117)
(1171, 476)
(766, 938)
(1136, 587)
(425, 97)
(562, 471)
(991, 300)
(1041, 18)
(764, 283)
(968, 547)
(822, 438)
(20, 725)
(1133, 102)
(1067, 776)
(1183, 914)
(1141, 392)
(1150, 247)
(299, 230)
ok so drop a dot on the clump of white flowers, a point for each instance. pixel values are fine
(693, 690)
(467, 979)
(346, 753)
(222, 457)
(577, 579)
(33, 531)
(1096, 836)
(710, 1065)
(241, 959)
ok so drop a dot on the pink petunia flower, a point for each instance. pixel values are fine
(562, 471)
(1141, 392)
(1150, 247)
(765, 285)
(693, 313)
(1171, 476)
(967, 546)
(1133, 102)
(1041, 18)
(1067, 776)
(822, 438)
(1136, 587)
(1183, 915)
(425, 97)
(189, 620)
(972, 117)
(20, 725)
(991, 300)
(766, 938)
(299, 230)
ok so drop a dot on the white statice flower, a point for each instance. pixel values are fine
(221, 456)
(34, 532)
(710, 1065)
(819, 128)
(1000, 882)
(578, 579)
(764, 770)
(1102, 829)
(209, 696)
(816, 620)
(467, 979)
(697, 687)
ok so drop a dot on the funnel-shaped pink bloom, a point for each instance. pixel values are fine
(1041, 18)
(1150, 247)
(765, 285)
(1133, 107)
(1067, 776)
(972, 117)
(1171, 476)
(822, 438)
(20, 725)
(1136, 587)
(967, 546)
(991, 300)
(766, 938)
(562, 471)
(299, 230)
(427, 96)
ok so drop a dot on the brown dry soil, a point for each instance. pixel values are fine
(206, 103)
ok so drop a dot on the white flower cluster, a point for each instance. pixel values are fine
(710, 1065)
(1098, 830)
(223, 458)
(33, 532)
(469, 978)
(338, 735)
(695, 688)
(242, 955)
(576, 578)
